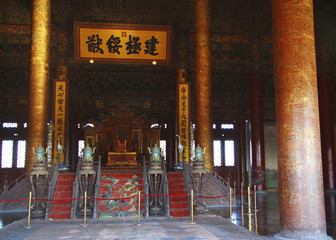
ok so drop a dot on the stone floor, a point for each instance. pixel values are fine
(267, 221)
(203, 227)
(214, 225)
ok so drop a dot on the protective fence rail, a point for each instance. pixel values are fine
(142, 195)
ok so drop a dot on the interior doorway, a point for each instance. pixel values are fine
(229, 151)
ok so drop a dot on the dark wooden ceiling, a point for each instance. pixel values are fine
(241, 42)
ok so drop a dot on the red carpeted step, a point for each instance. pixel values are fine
(64, 176)
(64, 188)
(183, 205)
(178, 186)
(176, 198)
(178, 204)
(61, 209)
(176, 180)
(176, 191)
(62, 194)
(60, 215)
(179, 212)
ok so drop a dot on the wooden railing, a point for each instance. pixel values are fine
(7, 187)
(215, 174)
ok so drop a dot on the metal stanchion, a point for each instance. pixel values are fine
(85, 202)
(249, 200)
(255, 198)
(234, 191)
(256, 222)
(139, 195)
(29, 209)
(192, 207)
(255, 209)
(249, 207)
(250, 222)
(242, 203)
(231, 204)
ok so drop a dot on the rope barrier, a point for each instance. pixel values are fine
(15, 200)
(226, 195)
(211, 197)
(251, 195)
(178, 195)
(236, 194)
(122, 198)
(56, 199)
(119, 198)
(147, 195)
(173, 195)
(117, 191)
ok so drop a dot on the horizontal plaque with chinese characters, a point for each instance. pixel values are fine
(119, 43)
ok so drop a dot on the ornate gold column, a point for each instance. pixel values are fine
(39, 78)
(203, 79)
(301, 199)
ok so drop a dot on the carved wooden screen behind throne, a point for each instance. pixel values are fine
(122, 139)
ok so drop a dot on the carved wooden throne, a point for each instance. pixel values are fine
(124, 138)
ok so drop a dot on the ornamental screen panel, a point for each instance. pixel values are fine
(21, 154)
(227, 156)
(217, 151)
(9, 125)
(229, 153)
(163, 146)
(227, 126)
(7, 153)
(122, 43)
(80, 148)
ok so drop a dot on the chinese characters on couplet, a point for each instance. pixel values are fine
(60, 92)
(184, 121)
(133, 46)
(60, 108)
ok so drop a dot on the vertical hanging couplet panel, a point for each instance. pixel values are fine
(60, 111)
(183, 94)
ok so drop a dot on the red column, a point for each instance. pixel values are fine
(203, 81)
(257, 132)
(327, 132)
(301, 196)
